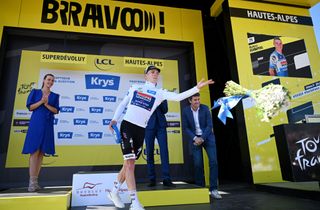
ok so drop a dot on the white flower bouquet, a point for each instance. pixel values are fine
(270, 100)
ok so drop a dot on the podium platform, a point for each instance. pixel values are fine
(52, 198)
(162, 196)
(59, 198)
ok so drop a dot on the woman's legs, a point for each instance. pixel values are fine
(35, 162)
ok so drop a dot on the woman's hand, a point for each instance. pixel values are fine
(203, 83)
(44, 99)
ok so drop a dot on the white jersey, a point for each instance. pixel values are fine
(142, 100)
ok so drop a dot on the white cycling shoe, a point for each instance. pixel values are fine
(115, 198)
(136, 207)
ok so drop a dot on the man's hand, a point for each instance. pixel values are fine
(198, 141)
(203, 83)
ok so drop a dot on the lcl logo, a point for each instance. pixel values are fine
(103, 64)
(102, 16)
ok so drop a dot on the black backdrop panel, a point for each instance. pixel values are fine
(299, 151)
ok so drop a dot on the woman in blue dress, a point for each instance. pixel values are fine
(40, 137)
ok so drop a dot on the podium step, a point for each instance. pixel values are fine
(54, 198)
(164, 196)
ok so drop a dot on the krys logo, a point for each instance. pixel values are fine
(95, 135)
(106, 121)
(68, 109)
(96, 109)
(109, 98)
(80, 121)
(103, 64)
(102, 16)
(81, 97)
(65, 135)
(98, 81)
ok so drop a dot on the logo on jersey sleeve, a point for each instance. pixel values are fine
(152, 92)
(142, 100)
(273, 59)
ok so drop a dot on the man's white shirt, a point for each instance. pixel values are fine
(196, 121)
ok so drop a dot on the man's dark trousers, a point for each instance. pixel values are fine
(157, 128)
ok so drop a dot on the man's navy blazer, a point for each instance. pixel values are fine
(158, 117)
(205, 122)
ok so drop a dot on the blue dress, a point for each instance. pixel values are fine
(40, 135)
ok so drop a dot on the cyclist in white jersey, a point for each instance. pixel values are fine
(141, 101)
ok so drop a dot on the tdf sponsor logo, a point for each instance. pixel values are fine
(94, 122)
(109, 98)
(65, 135)
(22, 113)
(73, 13)
(103, 64)
(96, 109)
(78, 135)
(67, 109)
(108, 110)
(89, 185)
(173, 124)
(95, 135)
(81, 97)
(21, 131)
(97, 81)
(20, 122)
(106, 121)
(64, 122)
(80, 121)
(79, 109)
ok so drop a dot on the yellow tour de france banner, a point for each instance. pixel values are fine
(90, 89)
(255, 27)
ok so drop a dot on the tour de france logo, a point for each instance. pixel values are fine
(26, 88)
(308, 153)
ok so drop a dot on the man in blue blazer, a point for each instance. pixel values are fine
(157, 127)
(197, 125)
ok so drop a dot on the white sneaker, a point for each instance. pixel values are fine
(115, 198)
(136, 207)
(215, 194)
